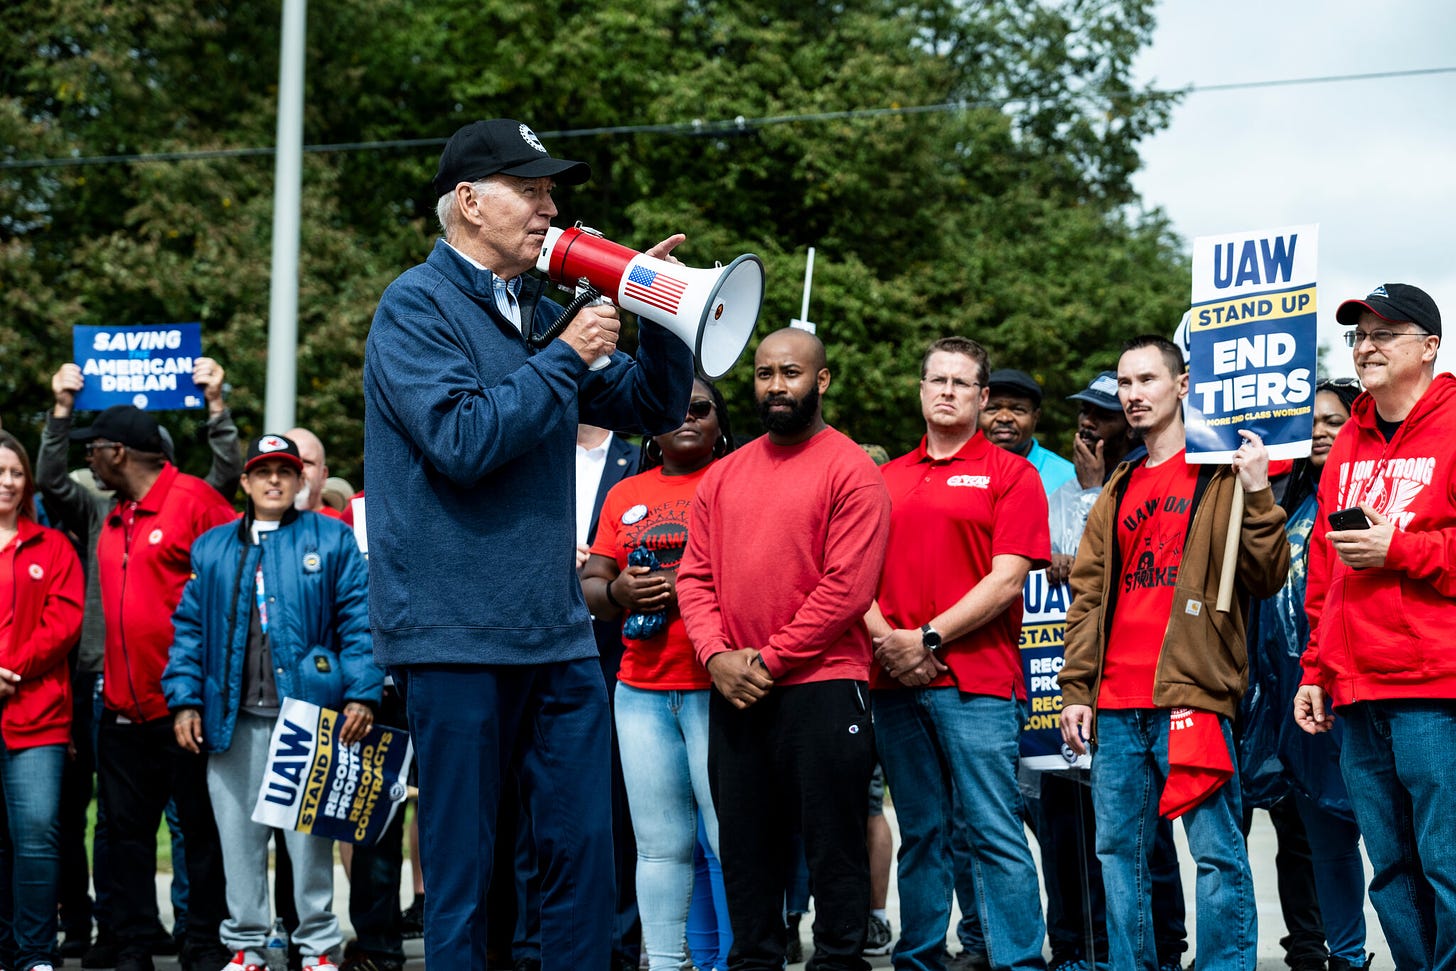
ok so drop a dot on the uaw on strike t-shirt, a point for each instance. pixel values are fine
(653, 509)
(1152, 524)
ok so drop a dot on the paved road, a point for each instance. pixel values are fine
(1261, 853)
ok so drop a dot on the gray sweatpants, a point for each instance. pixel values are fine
(233, 779)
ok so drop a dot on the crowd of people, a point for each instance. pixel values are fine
(658, 694)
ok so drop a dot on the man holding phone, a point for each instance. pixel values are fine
(1381, 600)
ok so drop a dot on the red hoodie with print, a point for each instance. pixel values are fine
(1385, 633)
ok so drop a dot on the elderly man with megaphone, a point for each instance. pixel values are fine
(474, 599)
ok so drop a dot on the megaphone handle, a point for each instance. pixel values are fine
(603, 361)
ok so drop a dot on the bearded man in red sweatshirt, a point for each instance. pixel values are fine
(784, 554)
(1381, 600)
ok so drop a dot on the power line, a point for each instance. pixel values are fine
(697, 127)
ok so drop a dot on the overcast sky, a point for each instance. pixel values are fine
(1372, 162)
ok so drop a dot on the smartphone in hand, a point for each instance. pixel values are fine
(1352, 518)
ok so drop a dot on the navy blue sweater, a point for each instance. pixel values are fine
(470, 466)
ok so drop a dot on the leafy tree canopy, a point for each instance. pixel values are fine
(1010, 218)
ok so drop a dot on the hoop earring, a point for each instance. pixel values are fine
(653, 450)
(720, 447)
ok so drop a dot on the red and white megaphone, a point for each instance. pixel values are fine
(712, 311)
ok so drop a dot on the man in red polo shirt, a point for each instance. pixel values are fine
(143, 554)
(969, 521)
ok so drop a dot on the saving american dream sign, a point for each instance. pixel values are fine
(149, 366)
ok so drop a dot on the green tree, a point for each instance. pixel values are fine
(1008, 217)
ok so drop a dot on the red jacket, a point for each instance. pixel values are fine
(1386, 633)
(46, 595)
(142, 577)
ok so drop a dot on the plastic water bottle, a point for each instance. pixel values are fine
(275, 947)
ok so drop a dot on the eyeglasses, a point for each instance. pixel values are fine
(91, 447)
(700, 408)
(942, 382)
(1380, 338)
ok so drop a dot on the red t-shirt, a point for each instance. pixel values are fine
(948, 519)
(786, 548)
(653, 508)
(1152, 524)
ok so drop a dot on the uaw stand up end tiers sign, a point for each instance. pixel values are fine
(1252, 343)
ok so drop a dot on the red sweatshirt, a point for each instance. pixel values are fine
(784, 554)
(143, 570)
(43, 590)
(1386, 633)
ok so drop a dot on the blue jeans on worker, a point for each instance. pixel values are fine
(950, 762)
(709, 933)
(471, 726)
(663, 738)
(1129, 769)
(1339, 877)
(1400, 783)
(30, 860)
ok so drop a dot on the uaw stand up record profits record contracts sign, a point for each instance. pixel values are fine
(1252, 343)
(315, 785)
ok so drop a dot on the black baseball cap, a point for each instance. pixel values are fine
(1395, 302)
(273, 447)
(1017, 382)
(126, 425)
(1102, 392)
(485, 148)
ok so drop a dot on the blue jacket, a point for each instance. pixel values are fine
(469, 461)
(318, 625)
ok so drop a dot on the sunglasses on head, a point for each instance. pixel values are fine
(700, 408)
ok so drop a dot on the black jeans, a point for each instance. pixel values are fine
(76, 792)
(141, 767)
(374, 875)
(1304, 941)
(799, 759)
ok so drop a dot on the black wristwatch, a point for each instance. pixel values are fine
(930, 638)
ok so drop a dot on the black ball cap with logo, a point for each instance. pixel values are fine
(501, 145)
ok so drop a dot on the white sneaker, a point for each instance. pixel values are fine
(240, 963)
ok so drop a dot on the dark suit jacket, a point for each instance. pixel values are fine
(621, 462)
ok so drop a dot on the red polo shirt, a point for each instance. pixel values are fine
(144, 555)
(948, 518)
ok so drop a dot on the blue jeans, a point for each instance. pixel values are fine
(663, 738)
(1339, 877)
(1129, 768)
(30, 867)
(473, 724)
(1400, 783)
(710, 936)
(950, 763)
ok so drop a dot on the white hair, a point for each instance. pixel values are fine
(448, 213)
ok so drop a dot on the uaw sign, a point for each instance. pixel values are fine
(147, 366)
(314, 784)
(1252, 343)
(1043, 631)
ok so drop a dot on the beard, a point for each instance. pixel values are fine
(797, 419)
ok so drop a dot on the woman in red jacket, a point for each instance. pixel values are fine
(41, 590)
